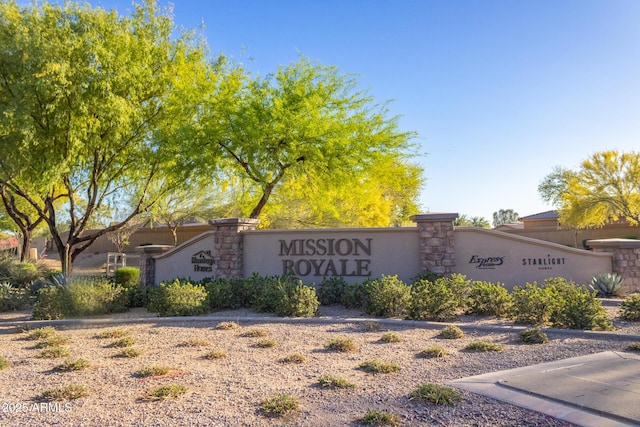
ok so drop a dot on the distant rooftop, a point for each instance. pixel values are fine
(541, 216)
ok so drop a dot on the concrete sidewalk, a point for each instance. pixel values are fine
(599, 390)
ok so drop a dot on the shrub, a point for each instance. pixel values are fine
(23, 273)
(153, 371)
(54, 352)
(331, 290)
(4, 363)
(388, 297)
(73, 391)
(451, 332)
(389, 337)
(194, 342)
(128, 352)
(296, 358)
(332, 381)
(433, 301)
(630, 308)
(53, 341)
(113, 333)
(341, 344)
(580, 309)
(432, 352)
(380, 418)
(168, 391)
(484, 346)
(254, 333)
(52, 304)
(73, 365)
(279, 405)
(286, 296)
(534, 304)
(123, 342)
(12, 298)
(355, 296)
(429, 276)
(607, 284)
(178, 299)
(376, 366)
(634, 346)
(220, 294)
(225, 326)
(42, 333)
(371, 326)
(216, 354)
(127, 277)
(433, 393)
(266, 343)
(533, 336)
(489, 299)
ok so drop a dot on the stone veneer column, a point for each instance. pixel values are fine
(148, 264)
(228, 249)
(437, 244)
(625, 261)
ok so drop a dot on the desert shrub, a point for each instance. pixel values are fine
(73, 365)
(356, 295)
(331, 290)
(94, 295)
(215, 353)
(634, 346)
(42, 333)
(607, 284)
(580, 309)
(128, 352)
(123, 342)
(389, 337)
(630, 308)
(380, 418)
(128, 278)
(153, 371)
(73, 391)
(533, 336)
(451, 332)
(4, 363)
(168, 391)
(219, 293)
(436, 394)
(54, 352)
(113, 333)
(534, 304)
(280, 405)
(371, 326)
(51, 304)
(53, 341)
(23, 273)
(376, 366)
(429, 276)
(255, 333)
(432, 352)
(266, 343)
(333, 381)
(13, 298)
(489, 299)
(433, 301)
(388, 297)
(295, 358)
(483, 346)
(178, 298)
(287, 296)
(225, 326)
(341, 344)
(194, 342)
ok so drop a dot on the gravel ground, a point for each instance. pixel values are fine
(228, 391)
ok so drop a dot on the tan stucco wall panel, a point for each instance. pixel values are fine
(310, 254)
(495, 256)
(193, 259)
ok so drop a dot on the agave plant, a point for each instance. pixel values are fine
(607, 284)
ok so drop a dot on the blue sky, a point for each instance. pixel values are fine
(499, 92)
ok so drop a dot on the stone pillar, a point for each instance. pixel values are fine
(625, 261)
(147, 262)
(228, 248)
(437, 244)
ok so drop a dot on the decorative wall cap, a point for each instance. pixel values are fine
(235, 221)
(613, 243)
(153, 249)
(434, 217)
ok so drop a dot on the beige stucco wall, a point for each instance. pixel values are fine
(188, 260)
(496, 256)
(355, 254)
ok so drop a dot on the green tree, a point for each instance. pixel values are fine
(304, 126)
(89, 102)
(474, 221)
(505, 216)
(604, 189)
(554, 185)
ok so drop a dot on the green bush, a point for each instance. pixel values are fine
(331, 290)
(388, 297)
(300, 301)
(630, 308)
(533, 336)
(12, 298)
(178, 299)
(436, 394)
(534, 304)
(355, 296)
(489, 299)
(268, 292)
(52, 303)
(23, 273)
(429, 276)
(580, 309)
(433, 301)
(220, 294)
(127, 277)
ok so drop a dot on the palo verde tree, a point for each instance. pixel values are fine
(88, 102)
(605, 188)
(306, 126)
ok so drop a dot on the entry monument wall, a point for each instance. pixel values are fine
(235, 248)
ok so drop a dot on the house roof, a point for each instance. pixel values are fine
(541, 216)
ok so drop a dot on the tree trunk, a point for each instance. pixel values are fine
(26, 244)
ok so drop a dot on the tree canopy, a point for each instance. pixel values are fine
(87, 103)
(505, 216)
(605, 188)
(474, 221)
